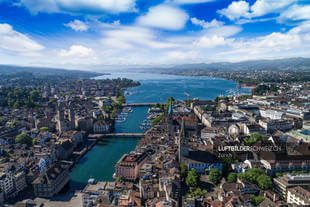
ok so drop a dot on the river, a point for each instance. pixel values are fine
(99, 162)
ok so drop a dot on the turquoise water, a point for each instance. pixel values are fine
(158, 87)
(99, 162)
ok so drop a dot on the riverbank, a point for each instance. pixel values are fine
(100, 160)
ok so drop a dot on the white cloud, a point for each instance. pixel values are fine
(77, 51)
(188, 1)
(303, 28)
(224, 31)
(236, 10)
(245, 21)
(296, 12)
(183, 55)
(77, 25)
(278, 41)
(242, 9)
(263, 7)
(132, 38)
(206, 25)
(210, 42)
(165, 17)
(79, 6)
(116, 23)
(17, 42)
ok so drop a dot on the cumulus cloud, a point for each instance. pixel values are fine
(79, 6)
(278, 41)
(17, 42)
(133, 37)
(242, 9)
(165, 17)
(236, 10)
(188, 1)
(77, 51)
(296, 12)
(77, 25)
(263, 7)
(210, 42)
(206, 25)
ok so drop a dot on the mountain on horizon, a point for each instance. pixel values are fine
(298, 63)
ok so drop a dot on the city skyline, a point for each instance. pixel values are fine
(92, 34)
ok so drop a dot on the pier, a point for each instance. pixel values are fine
(141, 104)
(114, 135)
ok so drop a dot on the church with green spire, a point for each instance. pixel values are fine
(170, 127)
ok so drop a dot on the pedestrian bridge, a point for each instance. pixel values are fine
(116, 135)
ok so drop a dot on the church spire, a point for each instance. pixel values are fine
(170, 110)
(182, 132)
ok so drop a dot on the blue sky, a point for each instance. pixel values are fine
(95, 34)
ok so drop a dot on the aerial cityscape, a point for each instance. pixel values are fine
(155, 103)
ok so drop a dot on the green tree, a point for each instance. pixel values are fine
(198, 193)
(232, 177)
(44, 129)
(157, 119)
(121, 99)
(184, 171)
(264, 182)
(192, 179)
(254, 138)
(23, 139)
(215, 175)
(256, 200)
(34, 141)
(119, 179)
(252, 174)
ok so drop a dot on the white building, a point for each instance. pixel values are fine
(298, 196)
(272, 114)
(6, 183)
(101, 126)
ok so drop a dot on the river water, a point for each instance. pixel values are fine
(99, 162)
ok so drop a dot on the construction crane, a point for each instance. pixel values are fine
(246, 85)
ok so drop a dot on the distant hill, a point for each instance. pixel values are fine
(293, 64)
(41, 71)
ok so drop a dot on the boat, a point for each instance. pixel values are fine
(91, 181)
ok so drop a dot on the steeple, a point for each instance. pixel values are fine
(182, 132)
(170, 110)
(183, 143)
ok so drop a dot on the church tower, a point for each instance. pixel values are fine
(71, 116)
(183, 142)
(170, 118)
(60, 117)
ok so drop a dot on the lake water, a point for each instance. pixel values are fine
(99, 162)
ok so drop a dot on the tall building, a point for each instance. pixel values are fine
(52, 181)
(298, 196)
(129, 165)
(71, 116)
(282, 184)
(170, 118)
(183, 142)
(60, 119)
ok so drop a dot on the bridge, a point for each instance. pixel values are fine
(114, 135)
(141, 104)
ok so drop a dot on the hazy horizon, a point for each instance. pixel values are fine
(157, 33)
